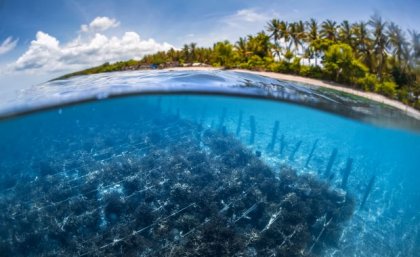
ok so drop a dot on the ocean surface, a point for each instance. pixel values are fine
(205, 163)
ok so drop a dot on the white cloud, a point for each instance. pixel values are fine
(245, 17)
(249, 15)
(8, 45)
(42, 52)
(238, 24)
(100, 24)
(47, 54)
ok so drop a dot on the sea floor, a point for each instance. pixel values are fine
(171, 188)
(205, 176)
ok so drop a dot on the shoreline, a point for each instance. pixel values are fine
(318, 83)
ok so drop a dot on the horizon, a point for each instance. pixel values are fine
(39, 41)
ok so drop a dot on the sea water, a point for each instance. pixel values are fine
(205, 173)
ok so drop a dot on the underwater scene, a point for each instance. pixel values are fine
(205, 164)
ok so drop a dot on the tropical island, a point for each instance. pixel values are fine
(371, 56)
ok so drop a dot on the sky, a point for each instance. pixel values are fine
(43, 39)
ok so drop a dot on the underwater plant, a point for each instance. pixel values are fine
(170, 188)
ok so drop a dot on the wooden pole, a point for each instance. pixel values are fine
(367, 191)
(274, 136)
(222, 120)
(238, 128)
(311, 153)
(346, 172)
(292, 155)
(282, 145)
(252, 126)
(331, 162)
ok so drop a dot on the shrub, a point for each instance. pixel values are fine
(403, 95)
(255, 62)
(357, 70)
(282, 67)
(295, 65)
(288, 55)
(387, 88)
(417, 105)
(341, 65)
(368, 83)
(311, 71)
(243, 66)
(268, 60)
(305, 70)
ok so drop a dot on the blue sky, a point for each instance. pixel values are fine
(42, 39)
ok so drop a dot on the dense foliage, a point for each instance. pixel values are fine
(372, 56)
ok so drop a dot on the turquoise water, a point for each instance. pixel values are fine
(69, 171)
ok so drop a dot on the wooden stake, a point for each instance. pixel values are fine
(311, 153)
(252, 125)
(238, 128)
(346, 172)
(222, 119)
(273, 136)
(331, 162)
(367, 191)
(292, 155)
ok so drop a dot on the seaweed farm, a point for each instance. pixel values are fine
(205, 175)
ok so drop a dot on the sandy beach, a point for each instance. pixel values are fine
(320, 83)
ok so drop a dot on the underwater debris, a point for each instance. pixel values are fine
(173, 189)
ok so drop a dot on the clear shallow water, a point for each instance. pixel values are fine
(105, 85)
(129, 175)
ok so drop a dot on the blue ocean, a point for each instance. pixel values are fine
(157, 163)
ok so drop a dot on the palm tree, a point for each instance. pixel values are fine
(241, 48)
(363, 43)
(345, 33)
(312, 35)
(284, 33)
(397, 41)
(273, 27)
(259, 44)
(222, 53)
(380, 44)
(415, 48)
(172, 55)
(301, 32)
(329, 30)
(297, 34)
(201, 55)
(192, 52)
(293, 35)
(415, 61)
(186, 52)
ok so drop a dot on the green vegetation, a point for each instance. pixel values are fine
(372, 56)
